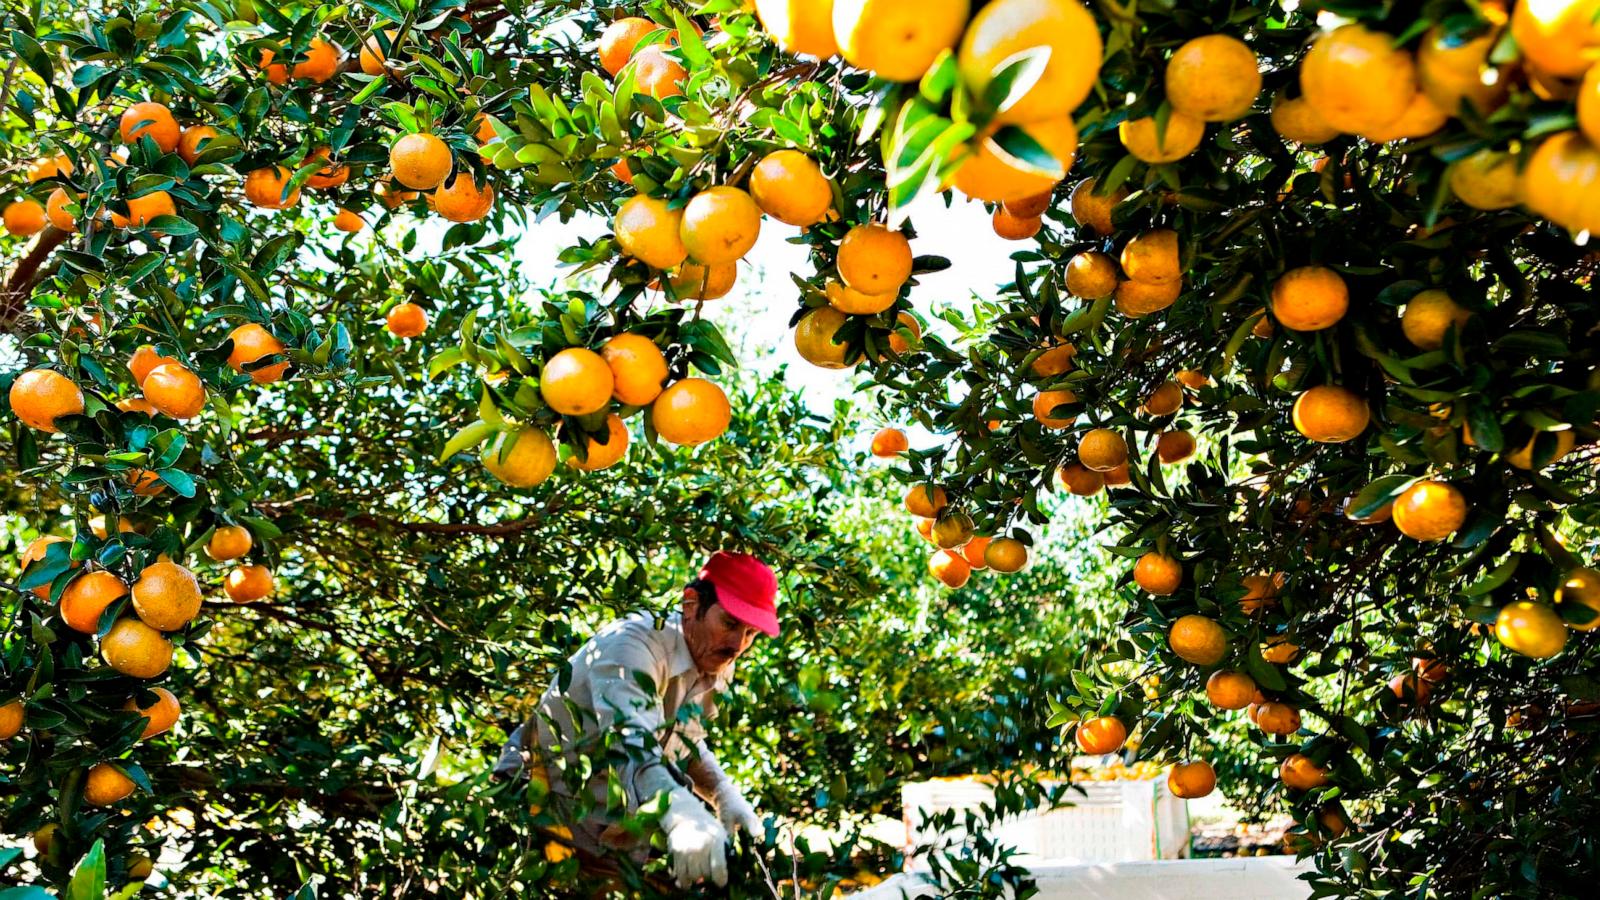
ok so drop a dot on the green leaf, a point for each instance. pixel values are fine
(1015, 77)
(89, 878)
(1378, 494)
(469, 436)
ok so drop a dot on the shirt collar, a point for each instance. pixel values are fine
(682, 660)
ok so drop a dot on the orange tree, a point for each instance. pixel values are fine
(1296, 275)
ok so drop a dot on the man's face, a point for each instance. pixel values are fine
(716, 638)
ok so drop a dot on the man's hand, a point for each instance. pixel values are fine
(737, 814)
(696, 842)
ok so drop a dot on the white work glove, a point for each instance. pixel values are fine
(737, 814)
(696, 841)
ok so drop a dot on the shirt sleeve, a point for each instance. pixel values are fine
(625, 679)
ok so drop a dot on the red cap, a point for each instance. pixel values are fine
(746, 588)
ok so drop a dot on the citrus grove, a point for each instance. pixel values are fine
(1301, 313)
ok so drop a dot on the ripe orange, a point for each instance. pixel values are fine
(166, 596)
(55, 208)
(392, 196)
(485, 134)
(1181, 138)
(1588, 106)
(1045, 404)
(658, 74)
(648, 230)
(331, 175)
(1580, 586)
(897, 40)
(992, 174)
(1080, 480)
(1228, 689)
(1429, 511)
(1429, 315)
(1356, 80)
(1004, 28)
(1092, 210)
(1117, 477)
(1214, 78)
(800, 26)
(1030, 207)
(638, 368)
(898, 342)
(1101, 735)
(406, 321)
(1009, 227)
(1091, 275)
(106, 785)
(578, 381)
(1006, 555)
(1173, 447)
(1558, 37)
(144, 482)
(920, 501)
(790, 187)
(848, 300)
(1055, 361)
(622, 172)
(597, 456)
(160, 715)
(143, 209)
(49, 167)
(1300, 773)
(36, 551)
(1158, 573)
(420, 161)
(1309, 298)
(952, 530)
(194, 141)
(1192, 780)
(949, 567)
(1102, 449)
(1421, 118)
(815, 339)
(1277, 718)
(1451, 71)
(1165, 400)
(619, 40)
(1260, 592)
(874, 260)
(251, 342)
(1410, 690)
(372, 56)
(1531, 629)
(152, 119)
(268, 188)
(1330, 414)
(174, 390)
(134, 648)
(320, 63)
(690, 412)
(12, 717)
(40, 396)
(1152, 257)
(520, 459)
(87, 596)
(720, 225)
(247, 584)
(1296, 120)
(101, 529)
(24, 217)
(1280, 650)
(136, 405)
(924, 528)
(975, 551)
(889, 443)
(692, 281)
(229, 542)
(1486, 180)
(1559, 178)
(1198, 640)
(461, 199)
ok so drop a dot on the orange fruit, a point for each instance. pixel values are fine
(421, 161)
(247, 584)
(790, 187)
(1192, 780)
(521, 459)
(268, 188)
(461, 199)
(597, 456)
(1409, 689)
(1558, 37)
(24, 217)
(1560, 177)
(1152, 257)
(1487, 179)
(1173, 447)
(136, 405)
(889, 443)
(1356, 80)
(622, 172)
(406, 321)
(40, 396)
(1214, 78)
(1531, 629)
(485, 134)
(150, 119)
(1450, 71)
(1280, 650)
(1044, 406)
(251, 342)
(1589, 106)
(1091, 275)
(1030, 207)
(160, 715)
(949, 567)
(143, 209)
(194, 141)
(392, 196)
(331, 175)
(1010, 228)
(1309, 298)
(692, 281)
(55, 208)
(648, 230)
(815, 339)
(36, 551)
(229, 542)
(12, 717)
(1101, 735)
(898, 342)
(952, 530)
(166, 596)
(1427, 317)
(1080, 480)
(974, 552)
(874, 260)
(1228, 689)
(1429, 511)
(1004, 28)
(1198, 640)
(1006, 555)
(1277, 718)
(897, 40)
(924, 528)
(638, 368)
(144, 482)
(87, 596)
(720, 225)
(1260, 592)
(1092, 210)
(49, 167)
(1102, 449)
(800, 26)
(1117, 476)
(106, 785)
(578, 381)
(1181, 138)
(658, 74)
(993, 174)
(1055, 361)
(690, 412)
(372, 56)
(1421, 117)
(320, 63)
(1330, 414)
(1580, 586)
(1158, 573)
(99, 527)
(1136, 299)
(1300, 773)
(619, 40)
(1165, 400)
(850, 301)
(921, 501)
(1296, 120)
(134, 648)
(174, 390)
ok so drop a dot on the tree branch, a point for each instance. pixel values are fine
(27, 273)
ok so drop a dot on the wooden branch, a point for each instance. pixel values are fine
(24, 276)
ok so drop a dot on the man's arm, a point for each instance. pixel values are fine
(732, 807)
